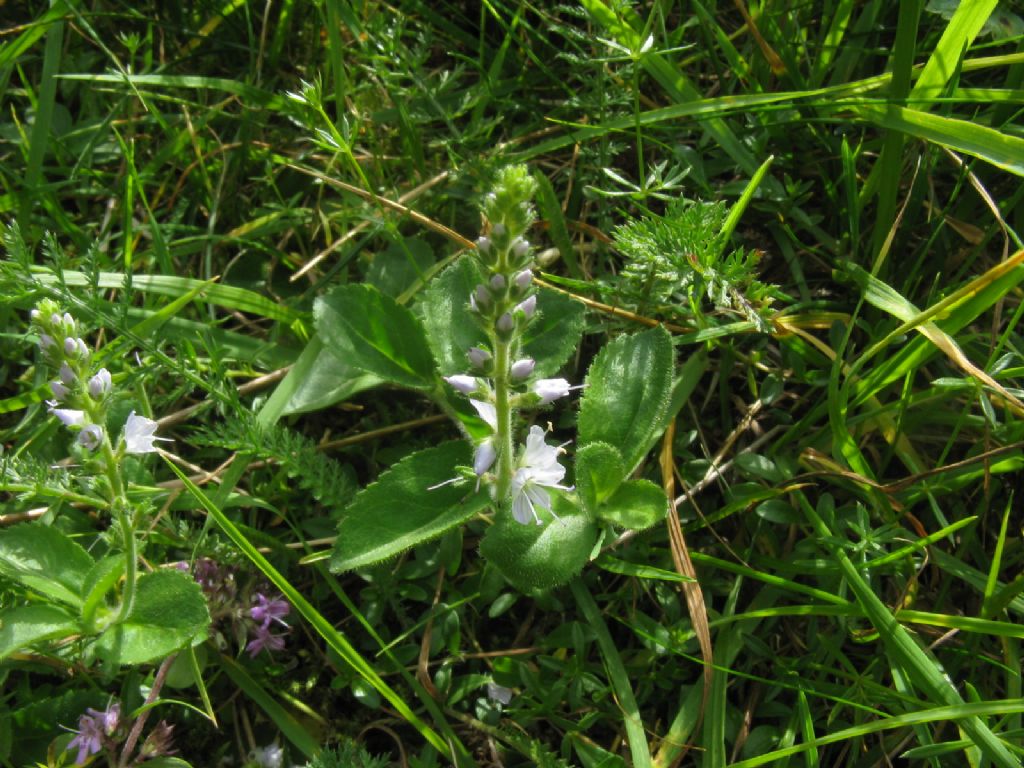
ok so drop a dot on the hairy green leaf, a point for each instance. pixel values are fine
(399, 511)
(444, 310)
(599, 472)
(637, 504)
(625, 402)
(43, 559)
(169, 613)
(538, 557)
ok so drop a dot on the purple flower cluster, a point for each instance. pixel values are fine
(95, 730)
(263, 612)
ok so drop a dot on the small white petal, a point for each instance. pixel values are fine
(486, 412)
(465, 384)
(69, 417)
(138, 434)
(549, 390)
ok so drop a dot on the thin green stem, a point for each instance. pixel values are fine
(503, 416)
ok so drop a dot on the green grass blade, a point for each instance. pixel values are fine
(922, 670)
(617, 675)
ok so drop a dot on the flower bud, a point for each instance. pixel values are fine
(83, 350)
(34, 315)
(523, 279)
(55, 321)
(481, 299)
(91, 437)
(70, 348)
(60, 392)
(100, 384)
(498, 230)
(46, 343)
(498, 283)
(521, 369)
(479, 358)
(527, 306)
(67, 376)
(69, 324)
(505, 324)
(484, 457)
(465, 384)
(520, 247)
(483, 244)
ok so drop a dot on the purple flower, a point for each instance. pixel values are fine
(264, 640)
(266, 610)
(93, 729)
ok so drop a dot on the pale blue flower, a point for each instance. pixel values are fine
(538, 470)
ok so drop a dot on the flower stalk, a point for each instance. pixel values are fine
(504, 305)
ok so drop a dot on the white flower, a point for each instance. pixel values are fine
(487, 412)
(138, 434)
(467, 385)
(68, 416)
(549, 390)
(538, 469)
(91, 437)
(100, 384)
(270, 756)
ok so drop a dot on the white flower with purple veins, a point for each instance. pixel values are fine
(538, 470)
(139, 434)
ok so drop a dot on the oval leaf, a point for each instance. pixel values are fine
(43, 559)
(625, 402)
(398, 512)
(170, 612)
(371, 331)
(26, 626)
(538, 557)
(599, 472)
(637, 504)
(444, 309)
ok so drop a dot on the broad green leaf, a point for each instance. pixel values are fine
(398, 511)
(43, 559)
(599, 472)
(627, 394)
(538, 557)
(637, 504)
(444, 310)
(329, 379)
(401, 265)
(169, 613)
(370, 331)
(555, 335)
(25, 626)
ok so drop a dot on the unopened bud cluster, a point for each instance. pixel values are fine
(80, 394)
(501, 378)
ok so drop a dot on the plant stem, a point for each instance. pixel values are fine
(503, 417)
